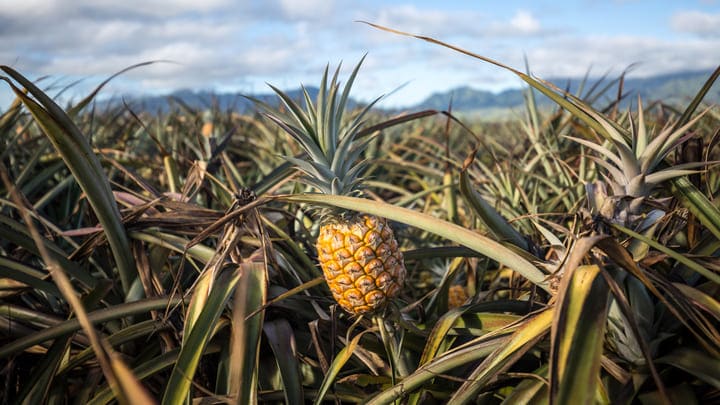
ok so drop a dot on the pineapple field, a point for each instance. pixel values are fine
(320, 251)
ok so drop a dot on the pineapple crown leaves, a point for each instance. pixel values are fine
(635, 167)
(320, 129)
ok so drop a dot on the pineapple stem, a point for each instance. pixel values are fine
(352, 327)
(397, 363)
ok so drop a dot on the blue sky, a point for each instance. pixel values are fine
(230, 45)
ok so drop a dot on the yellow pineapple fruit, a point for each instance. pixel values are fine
(358, 253)
(456, 296)
(361, 262)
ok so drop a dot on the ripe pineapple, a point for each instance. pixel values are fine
(358, 252)
(456, 296)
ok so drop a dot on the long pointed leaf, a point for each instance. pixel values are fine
(498, 225)
(247, 326)
(442, 364)
(694, 200)
(578, 339)
(193, 346)
(529, 332)
(448, 230)
(72, 325)
(696, 363)
(690, 109)
(282, 341)
(575, 107)
(336, 366)
(85, 166)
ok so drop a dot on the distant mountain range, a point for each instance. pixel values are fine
(676, 88)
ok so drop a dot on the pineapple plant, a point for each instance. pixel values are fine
(358, 253)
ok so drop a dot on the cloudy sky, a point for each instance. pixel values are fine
(230, 45)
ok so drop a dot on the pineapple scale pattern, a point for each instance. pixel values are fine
(361, 261)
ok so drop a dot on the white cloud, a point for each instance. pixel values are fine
(696, 22)
(161, 8)
(574, 56)
(525, 22)
(224, 44)
(457, 23)
(410, 18)
(307, 9)
(28, 8)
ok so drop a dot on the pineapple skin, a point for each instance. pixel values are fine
(361, 261)
(456, 296)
